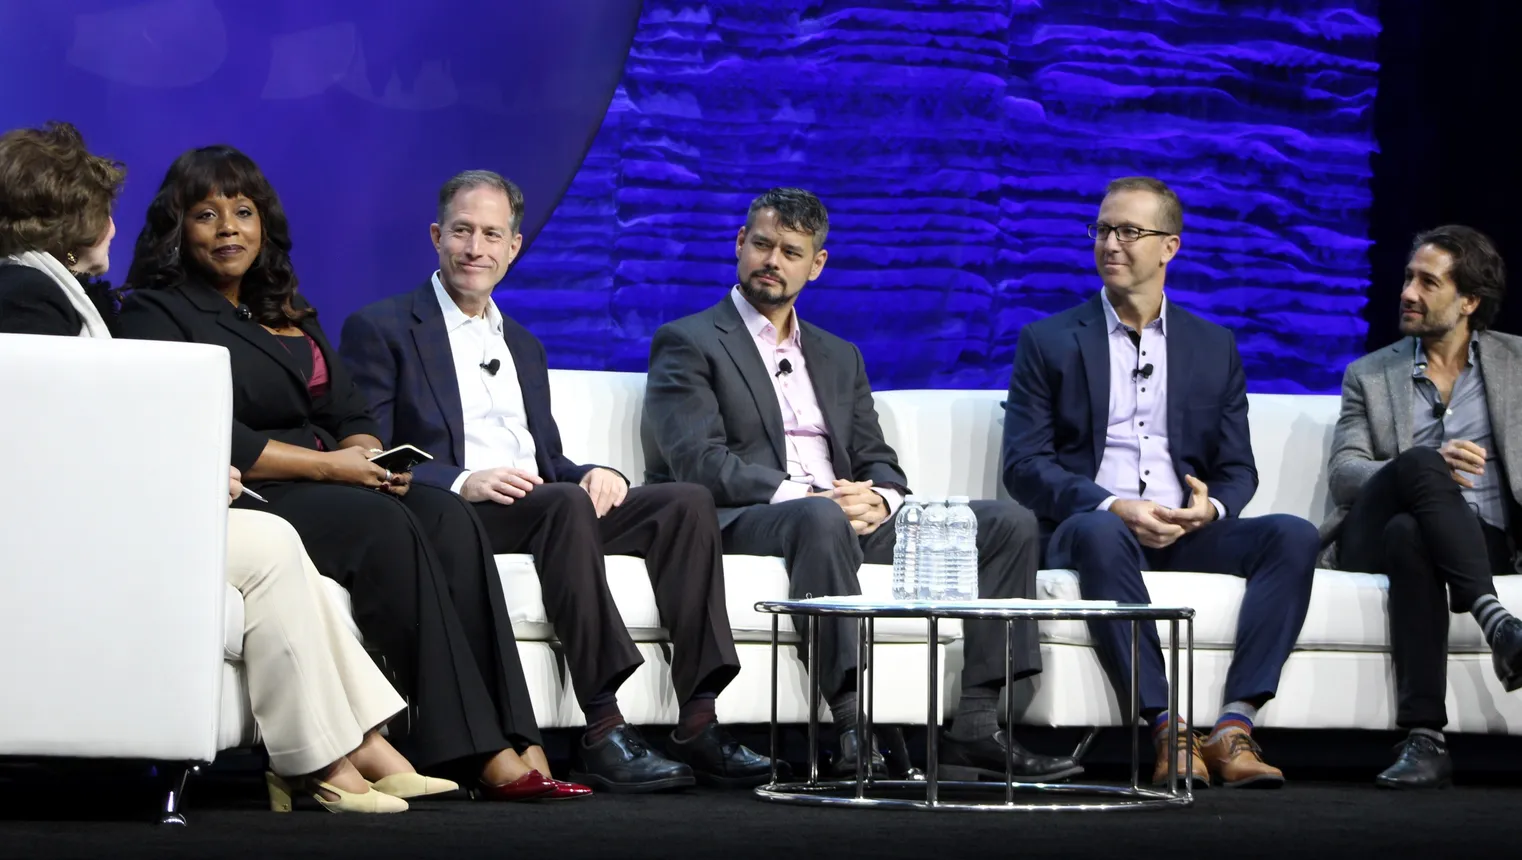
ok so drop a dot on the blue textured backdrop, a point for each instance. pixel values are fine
(358, 111)
(961, 147)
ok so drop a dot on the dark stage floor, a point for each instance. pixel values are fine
(1308, 819)
(1326, 812)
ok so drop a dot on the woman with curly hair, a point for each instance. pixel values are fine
(212, 265)
(318, 698)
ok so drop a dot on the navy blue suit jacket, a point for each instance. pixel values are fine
(1058, 410)
(398, 352)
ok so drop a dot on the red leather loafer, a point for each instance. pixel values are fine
(530, 786)
(565, 790)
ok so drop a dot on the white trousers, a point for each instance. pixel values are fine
(314, 690)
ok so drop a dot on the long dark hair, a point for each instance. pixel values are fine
(158, 263)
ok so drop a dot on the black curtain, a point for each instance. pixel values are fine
(1445, 118)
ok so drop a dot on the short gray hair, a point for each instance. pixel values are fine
(470, 179)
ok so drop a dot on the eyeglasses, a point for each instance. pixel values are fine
(1125, 232)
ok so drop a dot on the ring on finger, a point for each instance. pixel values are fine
(388, 476)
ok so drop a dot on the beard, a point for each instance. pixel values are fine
(1429, 324)
(763, 293)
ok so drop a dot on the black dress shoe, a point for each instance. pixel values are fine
(1506, 651)
(623, 762)
(718, 759)
(844, 766)
(1423, 763)
(984, 758)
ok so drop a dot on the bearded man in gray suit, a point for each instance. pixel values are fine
(774, 415)
(1426, 477)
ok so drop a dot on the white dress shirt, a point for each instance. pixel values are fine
(495, 420)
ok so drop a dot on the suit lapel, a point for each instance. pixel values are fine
(823, 367)
(1398, 391)
(437, 359)
(1179, 343)
(1094, 348)
(211, 301)
(526, 366)
(741, 347)
(1500, 371)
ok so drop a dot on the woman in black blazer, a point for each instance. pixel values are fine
(317, 697)
(212, 266)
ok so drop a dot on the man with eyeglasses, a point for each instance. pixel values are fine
(1126, 433)
(1424, 492)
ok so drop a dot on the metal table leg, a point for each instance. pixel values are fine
(775, 730)
(1173, 774)
(865, 745)
(1009, 714)
(870, 691)
(813, 645)
(1135, 709)
(932, 713)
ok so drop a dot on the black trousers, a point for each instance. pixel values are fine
(1411, 523)
(426, 594)
(823, 554)
(674, 527)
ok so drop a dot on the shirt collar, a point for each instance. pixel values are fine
(1112, 319)
(454, 317)
(757, 324)
(1419, 358)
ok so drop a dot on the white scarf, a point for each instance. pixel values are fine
(93, 326)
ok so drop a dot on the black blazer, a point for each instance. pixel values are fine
(270, 399)
(30, 303)
(402, 361)
(711, 415)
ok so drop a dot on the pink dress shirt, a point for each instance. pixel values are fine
(808, 437)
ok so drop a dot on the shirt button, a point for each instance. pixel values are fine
(1147, 472)
(1144, 424)
(1144, 389)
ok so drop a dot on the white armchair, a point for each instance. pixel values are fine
(112, 523)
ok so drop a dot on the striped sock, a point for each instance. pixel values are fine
(1236, 716)
(1160, 729)
(1490, 613)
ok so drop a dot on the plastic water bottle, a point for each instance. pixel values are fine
(933, 552)
(906, 549)
(961, 550)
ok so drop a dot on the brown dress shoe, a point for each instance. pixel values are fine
(1236, 760)
(1199, 773)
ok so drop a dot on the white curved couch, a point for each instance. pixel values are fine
(119, 637)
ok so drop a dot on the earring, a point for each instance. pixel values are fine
(69, 258)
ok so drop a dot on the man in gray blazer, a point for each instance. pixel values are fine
(1422, 473)
(775, 417)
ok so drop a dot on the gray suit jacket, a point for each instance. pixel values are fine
(712, 418)
(1375, 425)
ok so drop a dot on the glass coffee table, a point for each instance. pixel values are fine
(865, 790)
